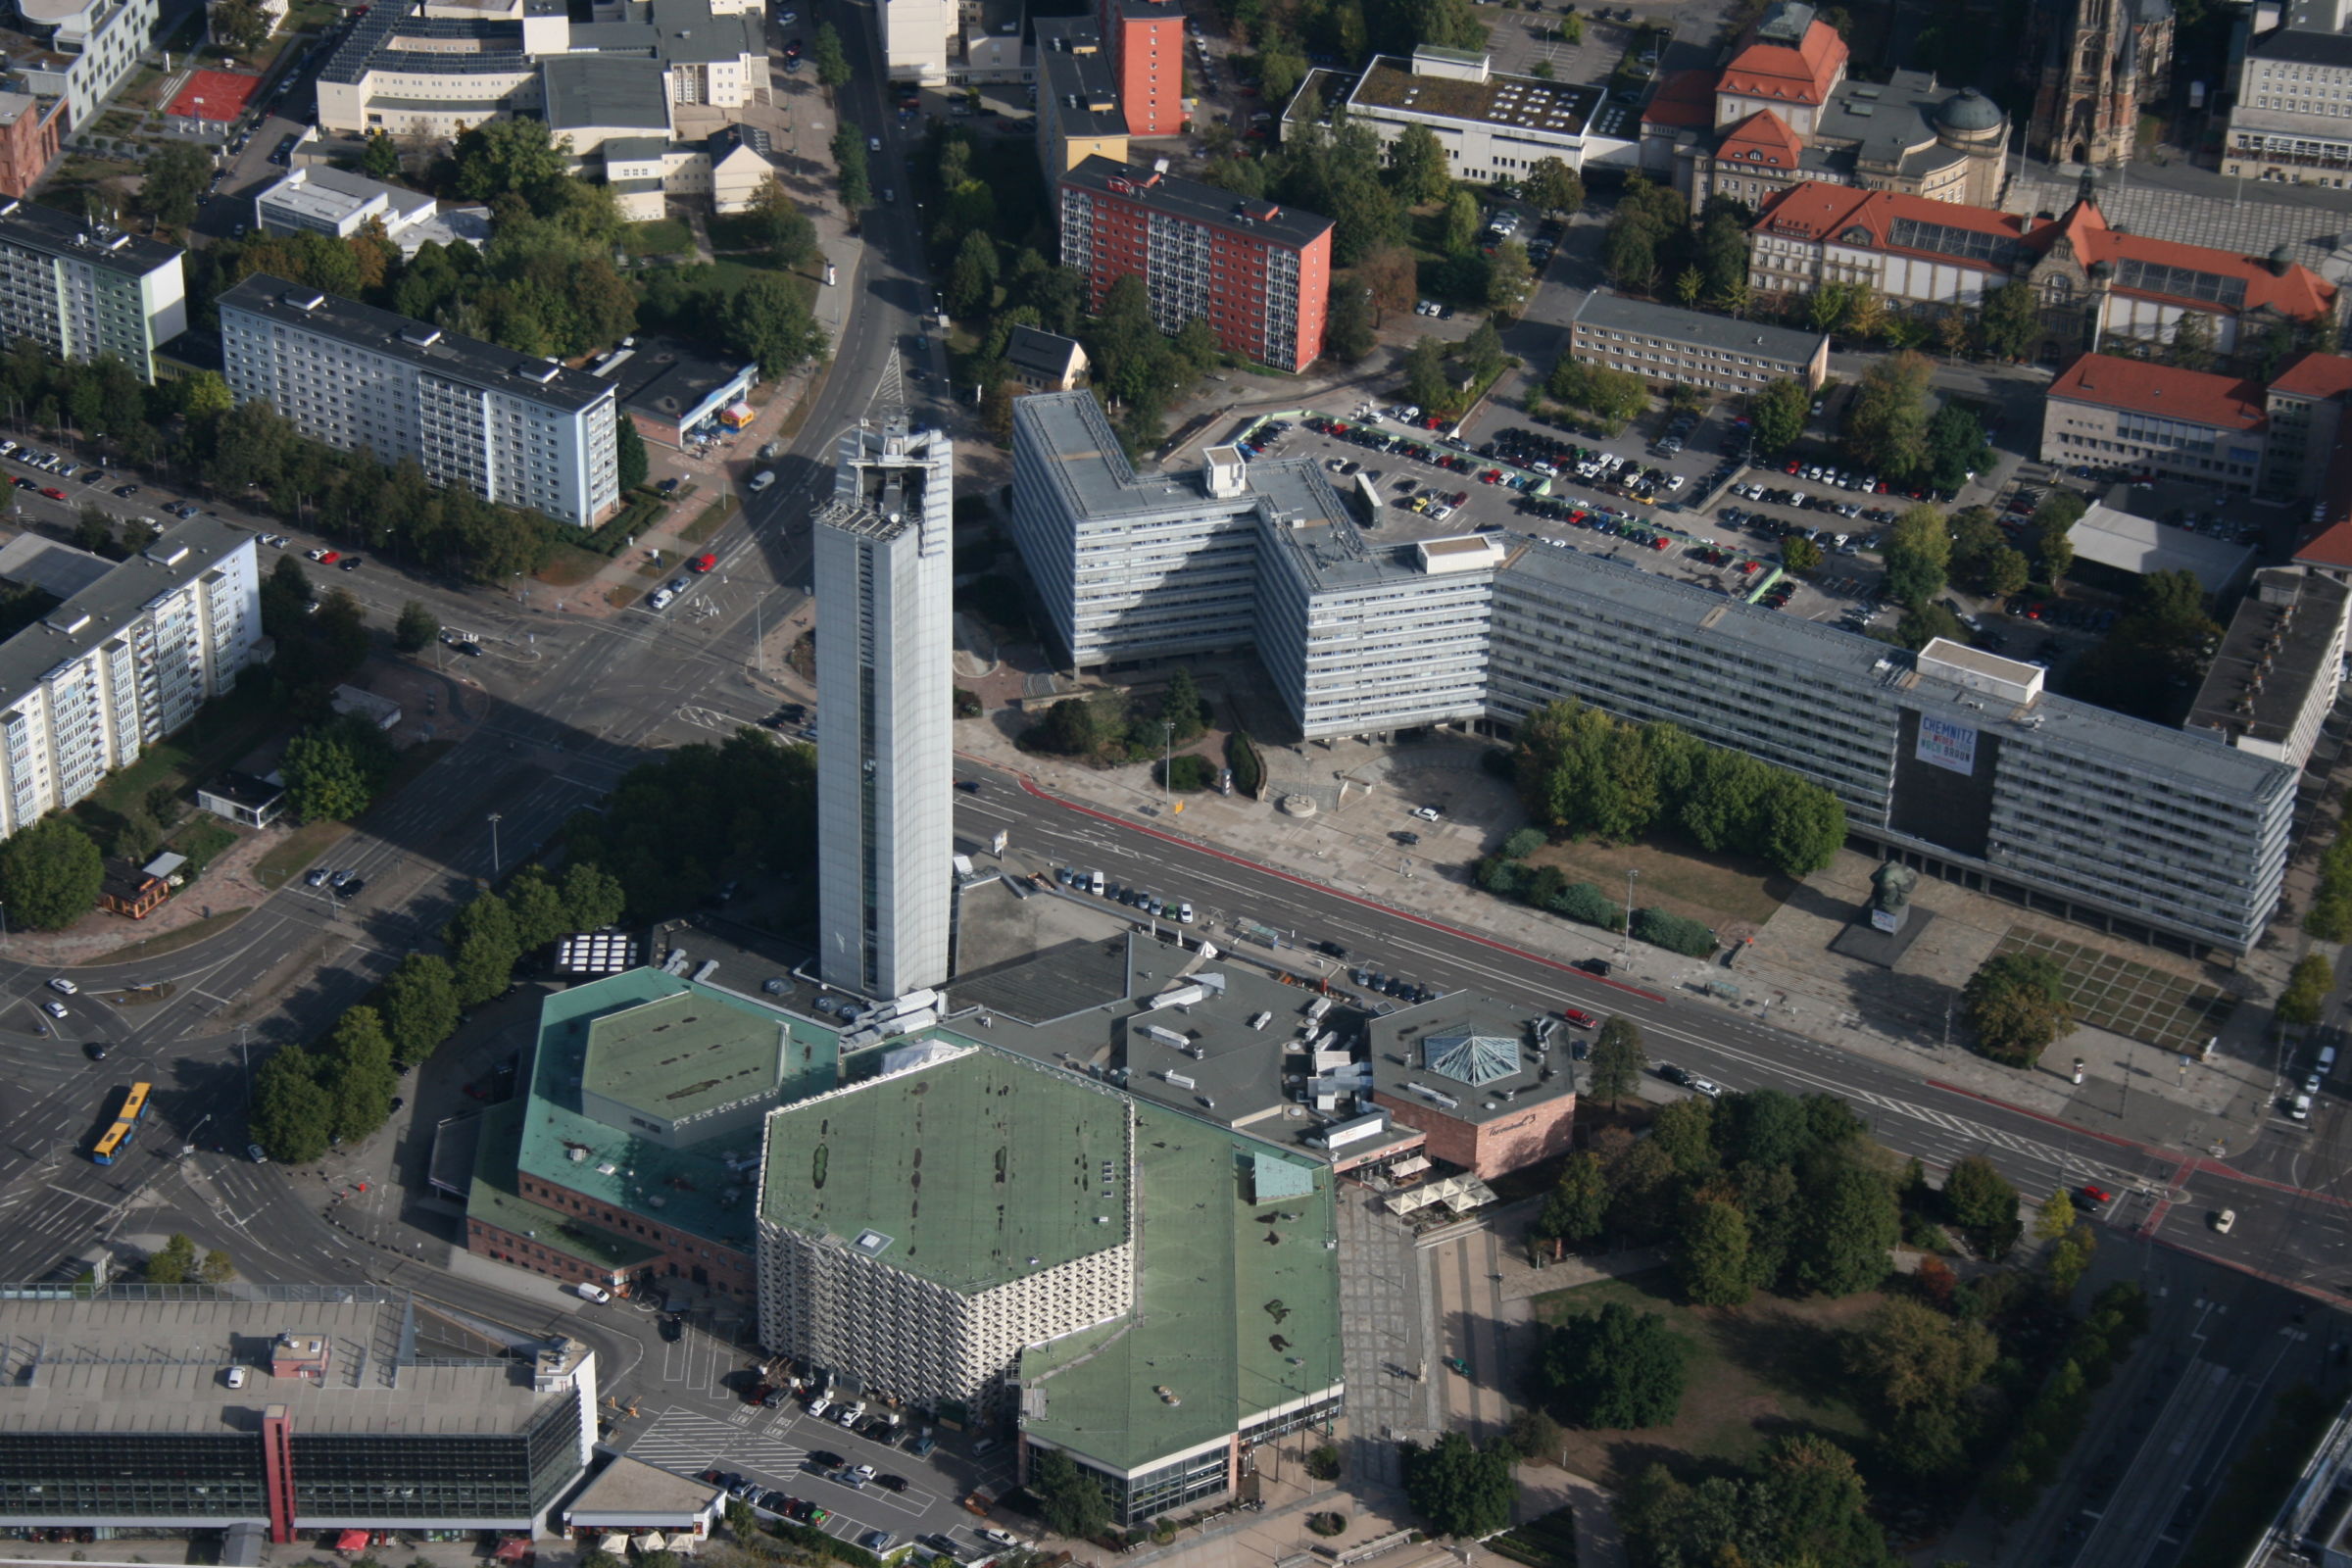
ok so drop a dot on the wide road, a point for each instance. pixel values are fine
(2281, 1232)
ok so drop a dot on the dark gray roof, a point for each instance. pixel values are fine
(476, 47)
(1074, 75)
(1970, 110)
(1411, 1049)
(665, 381)
(2296, 46)
(689, 33)
(99, 612)
(1678, 325)
(1884, 120)
(584, 90)
(1194, 202)
(45, 229)
(1046, 352)
(446, 354)
(56, 569)
(2278, 646)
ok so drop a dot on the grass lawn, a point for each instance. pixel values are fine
(664, 236)
(202, 838)
(714, 517)
(306, 843)
(1756, 1372)
(1716, 890)
(223, 731)
(570, 567)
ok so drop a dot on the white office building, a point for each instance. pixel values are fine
(88, 48)
(515, 430)
(884, 576)
(85, 291)
(123, 663)
(1952, 760)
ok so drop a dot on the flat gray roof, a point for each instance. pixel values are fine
(1847, 663)
(630, 1486)
(1614, 312)
(669, 381)
(141, 1359)
(421, 343)
(45, 229)
(57, 569)
(1476, 1051)
(2276, 651)
(584, 90)
(1887, 120)
(326, 191)
(2128, 542)
(98, 614)
(2301, 47)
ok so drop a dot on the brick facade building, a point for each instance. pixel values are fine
(1477, 1078)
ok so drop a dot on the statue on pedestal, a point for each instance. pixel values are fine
(1890, 896)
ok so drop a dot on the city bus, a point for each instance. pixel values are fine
(117, 1138)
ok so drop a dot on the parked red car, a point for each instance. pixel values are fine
(1582, 1019)
(702, 562)
(53, 492)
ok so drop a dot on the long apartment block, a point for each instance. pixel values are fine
(515, 430)
(123, 663)
(1954, 759)
(85, 291)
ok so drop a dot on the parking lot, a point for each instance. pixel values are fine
(725, 1431)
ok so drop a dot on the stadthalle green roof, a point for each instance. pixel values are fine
(681, 1055)
(1237, 1308)
(970, 1173)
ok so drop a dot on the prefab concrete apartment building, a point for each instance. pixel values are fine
(514, 430)
(123, 663)
(85, 291)
(1957, 761)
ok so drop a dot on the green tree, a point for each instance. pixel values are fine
(1348, 329)
(1618, 1061)
(483, 937)
(2055, 1217)
(1906, 1355)
(2053, 520)
(1711, 1264)
(359, 1076)
(2009, 322)
(2306, 992)
(972, 274)
(339, 633)
(540, 917)
(1978, 1199)
(1615, 1369)
(1554, 186)
(592, 898)
(1578, 1209)
(418, 1004)
(1533, 1435)
(1463, 1490)
(1778, 410)
(1917, 555)
(2071, 1258)
(849, 166)
(379, 157)
(1848, 1233)
(1180, 705)
(218, 1269)
(1688, 284)
(510, 156)
(2192, 341)
(1886, 423)
(1686, 1131)
(1417, 165)
(238, 27)
(2016, 1004)
(415, 629)
(768, 321)
(831, 64)
(285, 597)
(1464, 221)
(175, 179)
(324, 780)
(172, 1263)
(1801, 554)
(292, 1115)
(628, 448)
(1069, 1498)
(1425, 379)
(1956, 447)
(49, 875)
(785, 231)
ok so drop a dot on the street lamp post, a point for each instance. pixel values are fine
(1167, 763)
(494, 822)
(1631, 874)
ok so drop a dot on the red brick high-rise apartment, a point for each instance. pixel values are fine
(1145, 40)
(1260, 274)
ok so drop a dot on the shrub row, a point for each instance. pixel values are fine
(2053, 1422)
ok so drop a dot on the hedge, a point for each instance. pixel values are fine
(1582, 901)
(1187, 772)
(810, 1539)
(1673, 933)
(1241, 754)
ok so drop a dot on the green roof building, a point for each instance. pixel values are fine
(1233, 1335)
(630, 1159)
(919, 1228)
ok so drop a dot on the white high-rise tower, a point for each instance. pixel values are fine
(884, 574)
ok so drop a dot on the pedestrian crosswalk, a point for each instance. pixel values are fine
(688, 1441)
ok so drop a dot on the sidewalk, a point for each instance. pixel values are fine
(1362, 792)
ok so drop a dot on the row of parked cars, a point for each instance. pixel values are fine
(1179, 910)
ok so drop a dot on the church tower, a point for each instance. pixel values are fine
(2099, 62)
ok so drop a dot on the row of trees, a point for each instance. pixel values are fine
(1652, 246)
(2330, 918)
(1583, 773)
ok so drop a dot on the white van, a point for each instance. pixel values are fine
(1094, 883)
(762, 480)
(2325, 1063)
(593, 1292)
(660, 599)
(2300, 1107)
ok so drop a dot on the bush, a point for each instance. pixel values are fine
(1584, 902)
(1186, 772)
(1327, 1524)
(1673, 933)
(1249, 770)
(1522, 844)
(1323, 1463)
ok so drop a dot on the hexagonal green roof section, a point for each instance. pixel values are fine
(678, 1056)
(1237, 1308)
(970, 1173)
